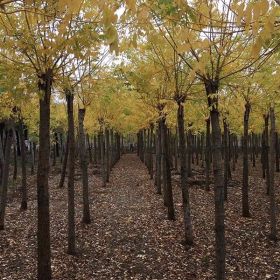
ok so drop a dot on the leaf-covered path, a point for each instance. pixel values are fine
(130, 236)
(135, 241)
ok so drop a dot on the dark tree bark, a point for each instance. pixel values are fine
(64, 164)
(273, 223)
(15, 161)
(189, 152)
(16, 152)
(71, 172)
(151, 161)
(277, 166)
(263, 154)
(89, 149)
(23, 167)
(43, 233)
(184, 175)
(5, 177)
(84, 167)
(158, 158)
(107, 154)
(103, 160)
(95, 151)
(208, 154)
(212, 91)
(100, 147)
(226, 159)
(168, 194)
(176, 151)
(266, 152)
(33, 153)
(254, 149)
(245, 185)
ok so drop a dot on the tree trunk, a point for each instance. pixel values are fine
(277, 165)
(207, 154)
(151, 164)
(32, 145)
(103, 161)
(64, 164)
(71, 170)
(107, 154)
(158, 159)
(84, 167)
(184, 176)
(189, 152)
(212, 91)
(266, 152)
(15, 157)
(245, 185)
(89, 149)
(226, 159)
(273, 223)
(168, 195)
(5, 177)
(23, 168)
(43, 233)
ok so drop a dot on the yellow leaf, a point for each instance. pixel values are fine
(183, 48)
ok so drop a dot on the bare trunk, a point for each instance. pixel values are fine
(23, 168)
(103, 161)
(168, 195)
(43, 234)
(226, 159)
(208, 154)
(84, 167)
(158, 159)
(273, 223)
(71, 172)
(212, 91)
(245, 185)
(5, 176)
(184, 176)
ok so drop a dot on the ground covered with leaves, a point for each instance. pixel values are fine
(130, 236)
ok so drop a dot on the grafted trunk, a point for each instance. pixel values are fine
(245, 185)
(71, 173)
(212, 91)
(23, 167)
(5, 176)
(273, 222)
(184, 176)
(43, 233)
(84, 167)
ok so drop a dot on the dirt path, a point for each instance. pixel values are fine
(130, 237)
(137, 242)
